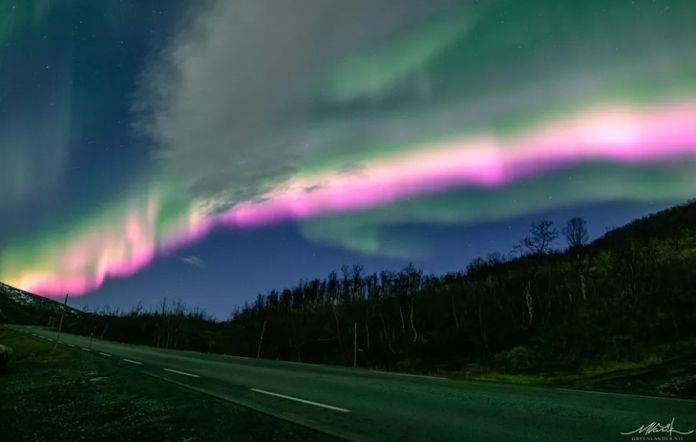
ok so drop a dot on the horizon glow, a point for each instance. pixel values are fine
(615, 134)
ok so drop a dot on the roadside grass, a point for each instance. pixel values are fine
(663, 370)
(53, 393)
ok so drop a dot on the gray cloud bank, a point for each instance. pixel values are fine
(229, 100)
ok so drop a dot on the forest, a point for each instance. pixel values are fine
(556, 304)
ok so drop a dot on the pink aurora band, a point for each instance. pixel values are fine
(619, 134)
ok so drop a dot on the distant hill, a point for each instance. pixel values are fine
(21, 307)
(673, 223)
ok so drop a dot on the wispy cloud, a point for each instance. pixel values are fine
(194, 261)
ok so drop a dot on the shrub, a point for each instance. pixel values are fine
(514, 360)
(5, 356)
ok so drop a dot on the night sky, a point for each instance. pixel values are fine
(213, 150)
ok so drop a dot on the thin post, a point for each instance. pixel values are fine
(62, 315)
(263, 330)
(355, 345)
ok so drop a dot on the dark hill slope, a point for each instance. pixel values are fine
(677, 223)
(20, 307)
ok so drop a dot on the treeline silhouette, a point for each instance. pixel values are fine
(539, 310)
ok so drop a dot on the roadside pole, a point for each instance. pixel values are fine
(355, 345)
(263, 330)
(62, 315)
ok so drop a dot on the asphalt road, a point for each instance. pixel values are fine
(369, 405)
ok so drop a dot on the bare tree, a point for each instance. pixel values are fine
(575, 232)
(541, 236)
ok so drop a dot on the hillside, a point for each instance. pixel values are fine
(676, 223)
(20, 307)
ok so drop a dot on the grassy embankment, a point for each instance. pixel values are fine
(664, 370)
(54, 393)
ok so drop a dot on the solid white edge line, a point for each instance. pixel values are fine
(304, 401)
(105, 354)
(132, 361)
(181, 372)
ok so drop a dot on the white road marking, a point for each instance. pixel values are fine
(85, 349)
(133, 362)
(70, 345)
(304, 401)
(181, 373)
(105, 354)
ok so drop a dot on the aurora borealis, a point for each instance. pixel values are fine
(344, 120)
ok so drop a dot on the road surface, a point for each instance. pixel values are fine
(369, 405)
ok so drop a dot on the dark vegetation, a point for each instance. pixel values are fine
(5, 356)
(625, 303)
(52, 393)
